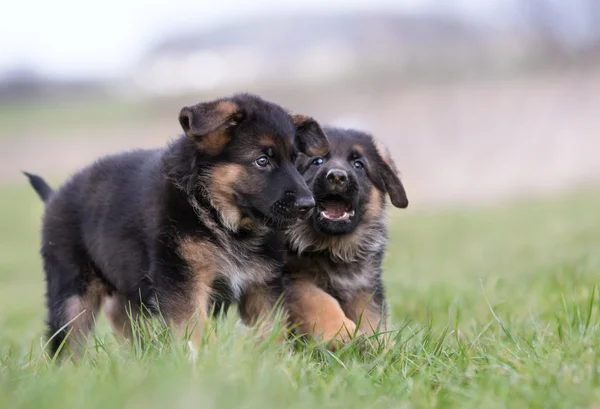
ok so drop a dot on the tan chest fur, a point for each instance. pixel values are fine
(241, 267)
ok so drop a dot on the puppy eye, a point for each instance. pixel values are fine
(358, 164)
(262, 162)
(318, 161)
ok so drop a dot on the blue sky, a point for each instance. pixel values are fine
(75, 38)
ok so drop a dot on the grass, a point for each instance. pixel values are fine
(60, 114)
(495, 307)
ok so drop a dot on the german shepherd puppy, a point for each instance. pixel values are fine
(182, 229)
(332, 278)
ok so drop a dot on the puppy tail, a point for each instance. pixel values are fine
(40, 186)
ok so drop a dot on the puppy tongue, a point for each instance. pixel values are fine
(334, 210)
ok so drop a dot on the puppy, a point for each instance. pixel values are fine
(332, 278)
(179, 230)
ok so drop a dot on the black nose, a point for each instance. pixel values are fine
(337, 177)
(304, 204)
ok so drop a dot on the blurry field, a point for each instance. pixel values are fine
(497, 307)
(462, 141)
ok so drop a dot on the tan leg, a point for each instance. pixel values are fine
(363, 308)
(190, 314)
(120, 315)
(194, 322)
(258, 307)
(319, 315)
(80, 312)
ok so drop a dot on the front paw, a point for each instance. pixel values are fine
(348, 333)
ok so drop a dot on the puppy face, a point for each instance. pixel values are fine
(348, 183)
(249, 146)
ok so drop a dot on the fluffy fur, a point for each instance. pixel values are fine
(178, 230)
(332, 278)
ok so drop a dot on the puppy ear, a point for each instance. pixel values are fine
(388, 175)
(207, 123)
(302, 162)
(310, 138)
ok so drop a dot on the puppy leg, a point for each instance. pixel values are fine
(318, 314)
(187, 311)
(121, 316)
(258, 305)
(73, 302)
(367, 310)
(190, 304)
(202, 299)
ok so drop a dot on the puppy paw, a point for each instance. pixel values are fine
(346, 335)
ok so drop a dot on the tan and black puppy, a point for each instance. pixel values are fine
(182, 229)
(332, 278)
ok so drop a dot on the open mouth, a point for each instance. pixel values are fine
(335, 209)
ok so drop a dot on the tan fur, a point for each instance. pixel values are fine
(374, 209)
(298, 121)
(359, 149)
(360, 308)
(81, 311)
(267, 141)
(347, 248)
(118, 314)
(207, 261)
(226, 108)
(121, 315)
(319, 315)
(222, 181)
(257, 305)
(384, 153)
(344, 270)
(214, 142)
(199, 255)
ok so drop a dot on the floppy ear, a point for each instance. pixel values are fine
(207, 123)
(302, 162)
(389, 177)
(310, 138)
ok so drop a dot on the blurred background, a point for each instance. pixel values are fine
(478, 100)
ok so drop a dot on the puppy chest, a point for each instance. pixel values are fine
(346, 278)
(232, 268)
(347, 282)
(333, 276)
(240, 272)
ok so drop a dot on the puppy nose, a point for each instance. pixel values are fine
(337, 177)
(304, 204)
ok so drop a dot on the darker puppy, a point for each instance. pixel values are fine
(332, 278)
(182, 229)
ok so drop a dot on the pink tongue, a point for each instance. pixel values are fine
(333, 209)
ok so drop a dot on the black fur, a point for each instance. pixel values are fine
(343, 255)
(40, 186)
(116, 228)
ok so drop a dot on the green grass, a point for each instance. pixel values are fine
(496, 307)
(56, 115)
